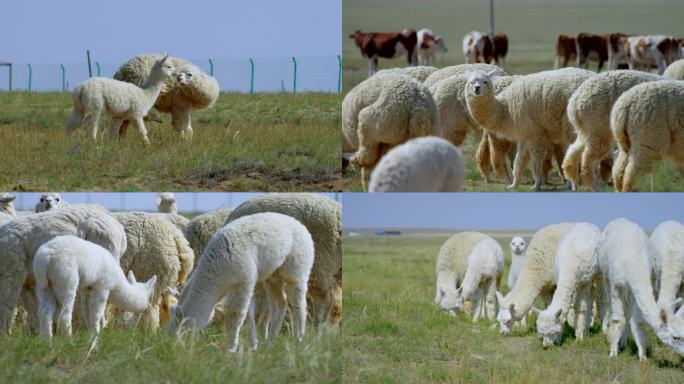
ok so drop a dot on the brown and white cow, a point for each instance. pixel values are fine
(591, 47)
(428, 46)
(390, 45)
(479, 47)
(566, 50)
(647, 51)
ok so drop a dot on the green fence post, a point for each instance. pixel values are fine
(10, 77)
(294, 83)
(339, 76)
(97, 65)
(63, 78)
(251, 81)
(30, 76)
(211, 67)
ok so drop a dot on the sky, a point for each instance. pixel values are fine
(144, 201)
(501, 211)
(47, 31)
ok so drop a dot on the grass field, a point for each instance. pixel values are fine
(532, 27)
(393, 332)
(263, 142)
(135, 357)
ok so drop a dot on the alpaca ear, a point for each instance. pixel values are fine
(459, 290)
(131, 277)
(663, 316)
(559, 313)
(173, 292)
(491, 73)
(536, 311)
(512, 308)
(166, 56)
(441, 292)
(158, 200)
(7, 199)
(150, 283)
(677, 305)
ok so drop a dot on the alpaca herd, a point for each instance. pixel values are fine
(169, 84)
(71, 266)
(590, 124)
(618, 278)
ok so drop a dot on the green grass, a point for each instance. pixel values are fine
(125, 356)
(532, 27)
(394, 333)
(265, 142)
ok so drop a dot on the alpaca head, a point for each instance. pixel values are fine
(550, 325)
(164, 67)
(50, 201)
(505, 315)
(480, 84)
(7, 203)
(671, 330)
(185, 77)
(451, 299)
(166, 202)
(140, 299)
(517, 246)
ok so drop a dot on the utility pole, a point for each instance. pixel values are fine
(491, 17)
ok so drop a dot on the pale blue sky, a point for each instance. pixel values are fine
(506, 210)
(145, 201)
(47, 31)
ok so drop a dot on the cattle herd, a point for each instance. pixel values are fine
(619, 50)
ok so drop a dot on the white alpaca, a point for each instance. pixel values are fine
(576, 268)
(67, 265)
(270, 248)
(50, 201)
(537, 277)
(668, 264)
(624, 255)
(121, 100)
(517, 245)
(485, 268)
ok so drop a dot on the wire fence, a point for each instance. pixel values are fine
(146, 201)
(253, 75)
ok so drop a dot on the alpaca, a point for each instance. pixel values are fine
(67, 265)
(121, 100)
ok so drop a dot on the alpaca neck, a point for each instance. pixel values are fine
(129, 297)
(154, 83)
(565, 294)
(471, 281)
(522, 295)
(198, 303)
(487, 111)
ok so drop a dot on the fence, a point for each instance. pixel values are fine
(289, 74)
(146, 201)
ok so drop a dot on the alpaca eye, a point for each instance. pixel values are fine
(57, 199)
(42, 200)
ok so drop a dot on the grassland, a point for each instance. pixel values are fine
(393, 332)
(124, 356)
(532, 27)
(263, 142)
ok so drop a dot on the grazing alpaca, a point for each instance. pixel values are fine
(121, 100)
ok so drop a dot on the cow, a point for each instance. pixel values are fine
(616, 50)
(479, 47)
(428, 45)
(566, 50)
(390, 45)
(591, 47)
(646, 51)
(500, 41)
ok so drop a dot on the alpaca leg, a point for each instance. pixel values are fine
(583, 311)
(619, 170)
(538, 155)
(276, 297)
(123, 129)
(522, 157)
(83, 309)
(97, 301)
(639, 332)
(46, 310)
(637, 164)
(90, 124)
(483, 157)
(491, 300)
(140, 125)
(29, 301)
(66, 311)
(114, 129)
(180, 121)
(252, 325)
(558, 155)
(588, 171)
(296, 297)
(236, 312)
(571, 162)
(616, 328)
(499, 153)
(10, 290)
